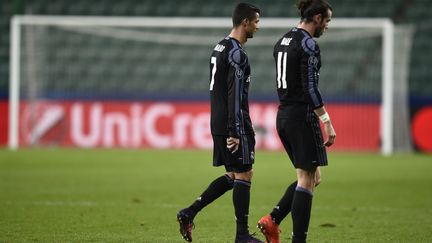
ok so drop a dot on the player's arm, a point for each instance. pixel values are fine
(309, 73)
(328, 126)
(309, 79)
(234, 80)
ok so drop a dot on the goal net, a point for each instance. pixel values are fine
(58, 63)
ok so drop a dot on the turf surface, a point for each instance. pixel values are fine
(58, 195)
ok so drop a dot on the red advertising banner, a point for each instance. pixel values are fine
(4, 119)
(422, 129)
(173, 125)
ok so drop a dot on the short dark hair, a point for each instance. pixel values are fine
(310, 8)
(244, 11)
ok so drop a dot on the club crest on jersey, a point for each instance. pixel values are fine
(239, 73)
(219, 48)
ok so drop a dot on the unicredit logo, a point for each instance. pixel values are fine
(159, 125)
(156, 125)
(132, 124)
(42, 123)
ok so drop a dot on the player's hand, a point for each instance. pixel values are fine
(233, 144)
(330, 132)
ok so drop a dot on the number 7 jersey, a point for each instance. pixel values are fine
(229, 87)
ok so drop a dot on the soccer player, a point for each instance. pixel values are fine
(298, 62)
(231, 126)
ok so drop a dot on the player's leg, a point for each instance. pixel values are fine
(241, 202)
(302, 203)
(242, 161)
(269, 224)
(317, 176)
(300, 141)
(283, 208)
(310, 154)
(214, 190)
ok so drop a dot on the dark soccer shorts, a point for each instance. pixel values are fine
(239, 161)
(303, 141)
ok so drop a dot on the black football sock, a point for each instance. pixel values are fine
(216, 189)
(301, 210)
(241, 198)
(283, 208)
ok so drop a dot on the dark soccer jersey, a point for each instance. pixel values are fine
(229, 85)
(298, 62)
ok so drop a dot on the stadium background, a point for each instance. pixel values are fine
(118, 195)
(415, 12)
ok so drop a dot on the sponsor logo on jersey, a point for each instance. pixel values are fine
(219, 48)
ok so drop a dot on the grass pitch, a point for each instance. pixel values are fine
(58, 195)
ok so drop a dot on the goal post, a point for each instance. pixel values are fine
(119, 28)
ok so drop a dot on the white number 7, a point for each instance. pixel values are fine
(213, 61)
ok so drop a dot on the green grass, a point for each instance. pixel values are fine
(133, 196)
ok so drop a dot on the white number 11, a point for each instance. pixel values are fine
(281, 70)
